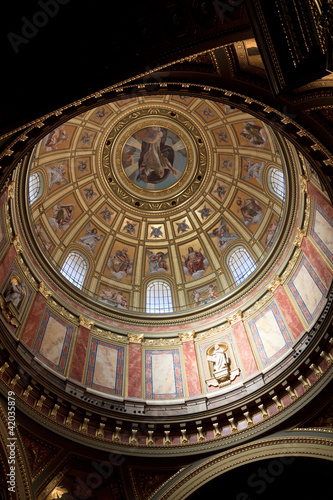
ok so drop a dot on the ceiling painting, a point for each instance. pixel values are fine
(156, 186)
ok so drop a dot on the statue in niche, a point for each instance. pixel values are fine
(220, 366)
(11, 299)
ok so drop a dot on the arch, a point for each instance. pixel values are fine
(75, 268)
(241, 264)
(287, 448)
(158, 297)
(35, 187)
(276, 182)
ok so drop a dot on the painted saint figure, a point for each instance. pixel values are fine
(62, 216)
(194, 261)
(157, 262)
(57, 175)
(91, 238)
(251, 211)
(120, 264)
(156, 157)
(254, 134)
(223, 235)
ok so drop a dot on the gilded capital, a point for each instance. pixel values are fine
(186, 337)
(237, 316)
(299, 237)
(86, 323)
(44, 290)
(17, 244)
(274, 284)
(135, 338)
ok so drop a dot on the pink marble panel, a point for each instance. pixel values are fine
(191, 369)
(7, 263)
(289, 312)
(244, 348)
(31, 326)
(134, 370)
(319, 198)
(80, 354)
(317, 262)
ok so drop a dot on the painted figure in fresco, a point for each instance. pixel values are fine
(219, 357)
(114, 298)
(101, 113)
(271, 233)
(226, 164)
(55, 138)
(197, 297)
(91, 238)
(156, 232)
(15, 292)
(222, 136)
(204, 212)
(89, 193)
(82, 166)
(86, 138)
(207, 112)
(156, 158)
(41, 233)
(182, 226)
(220, 190)
(106, 214)
(253, 170)
(57, 175)
(62, 216)
(157, 262)
(223, 235)
(251, 211)
(120, 264)
(129, 227)
(254, 134)
(212, 291)
(194, 261)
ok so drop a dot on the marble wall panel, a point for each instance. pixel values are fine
(105, 370)
(270, 334)
(163, 374)
(322, 231)
(308, 291)
(53, 341)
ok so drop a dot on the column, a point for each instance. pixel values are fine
(191, 365)
(79, 356)
(134, 380)
(243, 344)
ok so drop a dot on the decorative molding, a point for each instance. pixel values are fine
(187, 337)
(44, 290)
(135, 338)
(17, 244)
(86, 323)
(299, 237)
(274, 284)
(237, 316)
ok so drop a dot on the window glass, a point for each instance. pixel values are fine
(34, 187)
(278, 183)
(159, 298)
(241, 265)
(75, 269)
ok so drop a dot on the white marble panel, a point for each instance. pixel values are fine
(270, 333)
(53, 340)
(105, 366)
(324, 230)
(163, 374)
(308, 289)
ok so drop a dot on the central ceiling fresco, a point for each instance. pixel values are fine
(160, 187)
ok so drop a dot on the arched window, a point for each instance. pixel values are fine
(241, 264)
(158, 298)
(34, 187)
(75, 268)
(277, 182)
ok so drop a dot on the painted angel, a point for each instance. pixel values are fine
(56, 175)
(223, 235)
(91, 238)
(157, 262)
